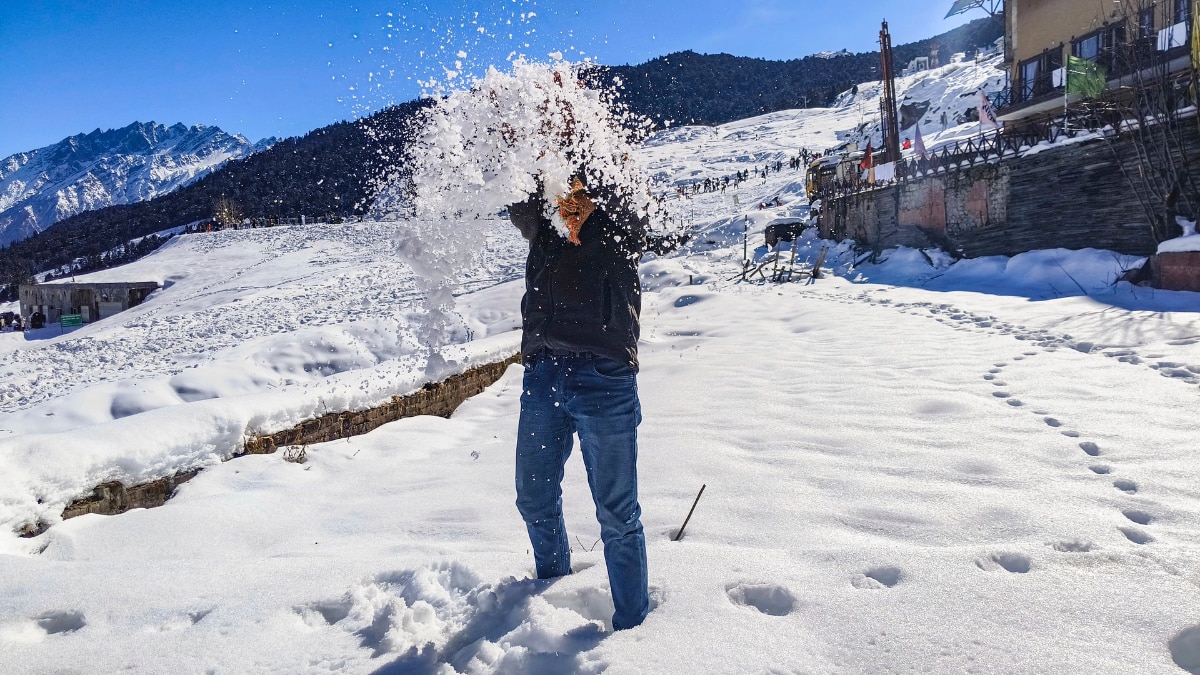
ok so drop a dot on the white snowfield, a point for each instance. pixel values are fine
(917, 465)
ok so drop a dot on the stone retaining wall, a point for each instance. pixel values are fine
(435, 398)
(1073, 196)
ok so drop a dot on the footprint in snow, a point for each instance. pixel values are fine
(1017, 563)
(1051, 422)
(43, 625)
(877, 578)
(1069, 433)
(1016, 403)
(1090, 448)
(1135, 535)
(1139, 517)
(767, 598)
(1126, 486)
(60, 622)
(1185, 649)
(1100, 468)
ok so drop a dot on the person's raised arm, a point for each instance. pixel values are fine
(527, 215)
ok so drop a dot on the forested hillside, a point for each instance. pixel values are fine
(691, 88)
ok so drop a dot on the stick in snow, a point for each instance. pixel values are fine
(679, 534)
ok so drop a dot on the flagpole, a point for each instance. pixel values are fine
(1066, 74)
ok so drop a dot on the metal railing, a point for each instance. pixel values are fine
(978, 150)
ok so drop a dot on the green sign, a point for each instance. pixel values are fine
(71, 320)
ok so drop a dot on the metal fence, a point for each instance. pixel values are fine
(985, 148)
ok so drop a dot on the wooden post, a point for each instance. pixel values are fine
(679, 534)
(745, 249)
(816, 270)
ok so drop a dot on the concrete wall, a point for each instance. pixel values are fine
(54, 300)
(1046, 24)
(1074, 196)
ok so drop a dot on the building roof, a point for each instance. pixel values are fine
(992, 7)
(106, 284)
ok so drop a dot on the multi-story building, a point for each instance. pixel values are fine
(1124, 37)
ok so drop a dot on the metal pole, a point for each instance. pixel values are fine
(745, 250)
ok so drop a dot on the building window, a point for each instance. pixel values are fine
(1087, 47)
(1183, 11)
(1146, 22)
(1029, 76)
(1037, 75)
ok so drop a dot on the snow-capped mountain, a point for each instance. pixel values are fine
(102, 168)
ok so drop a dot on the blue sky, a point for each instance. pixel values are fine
(285, 68)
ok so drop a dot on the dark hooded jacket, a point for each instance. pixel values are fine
(586, 297)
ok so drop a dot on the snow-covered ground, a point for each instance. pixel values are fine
(910, 466)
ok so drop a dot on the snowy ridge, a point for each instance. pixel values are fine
(103, 168)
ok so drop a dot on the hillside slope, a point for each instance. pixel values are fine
(690, 88)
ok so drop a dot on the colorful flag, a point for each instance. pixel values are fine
(987, 116)
(867, 161)
(1085, 78)
(919, 144)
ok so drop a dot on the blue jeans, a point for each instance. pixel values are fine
(597, 398)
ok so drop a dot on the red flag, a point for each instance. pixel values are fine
(919, 144)
(866, 160)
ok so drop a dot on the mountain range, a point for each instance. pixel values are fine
(91, 171)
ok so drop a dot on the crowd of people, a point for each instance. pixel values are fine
(214, 225)
(799, 162)
(13, 321)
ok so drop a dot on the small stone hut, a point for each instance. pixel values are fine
(94, 301)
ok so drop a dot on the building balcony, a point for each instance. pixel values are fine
(1135, 65)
